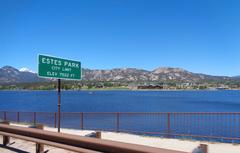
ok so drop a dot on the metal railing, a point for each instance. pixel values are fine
(216, 126)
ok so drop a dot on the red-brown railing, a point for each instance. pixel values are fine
(217, 126)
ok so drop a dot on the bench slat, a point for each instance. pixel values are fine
(49, 143)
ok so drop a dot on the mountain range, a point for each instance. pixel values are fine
(11, 75)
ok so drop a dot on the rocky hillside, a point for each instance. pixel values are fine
(161, 74)
(9, 74)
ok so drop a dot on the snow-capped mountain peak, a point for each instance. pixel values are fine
(24, 69)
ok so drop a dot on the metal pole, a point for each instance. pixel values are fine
(59, 104)
(118, 122)
(5, 116)
(55, 119)
(18, 117)
(168, 125)
(82, 120)
(34, 118)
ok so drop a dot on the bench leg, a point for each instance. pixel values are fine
(6, 139)
(39, 148)
(98, 135)
(204, 147)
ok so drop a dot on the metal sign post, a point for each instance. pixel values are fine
(53, 67)
(59, 104)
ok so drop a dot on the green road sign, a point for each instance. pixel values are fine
(52, 67)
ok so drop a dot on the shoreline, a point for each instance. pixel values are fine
(116, 89)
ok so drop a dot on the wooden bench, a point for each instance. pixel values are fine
(76, 143)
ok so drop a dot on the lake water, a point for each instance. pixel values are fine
(122, 101)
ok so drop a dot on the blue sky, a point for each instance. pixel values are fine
(197, 35)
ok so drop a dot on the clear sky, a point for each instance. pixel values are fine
(198, 35)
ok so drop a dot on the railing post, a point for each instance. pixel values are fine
(6, 139)
(118, 122)
(34, 118)
(55, 119)
(5, 116)
(82, 120)
(18, 117)
(168, 125)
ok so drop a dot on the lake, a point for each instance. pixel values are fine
(122, 101)
(219, 126)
